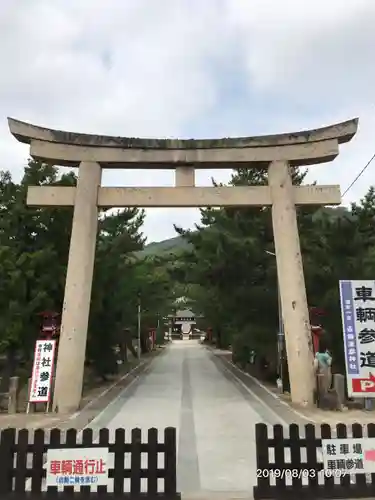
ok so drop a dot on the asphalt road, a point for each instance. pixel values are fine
(215, 420)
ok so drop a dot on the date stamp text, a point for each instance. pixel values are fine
(298, 473)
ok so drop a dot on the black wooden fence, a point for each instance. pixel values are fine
(23, 456)
(311, 483)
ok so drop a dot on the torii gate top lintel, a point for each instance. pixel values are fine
(69, 148)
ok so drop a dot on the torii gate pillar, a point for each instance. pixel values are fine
(78, 284)
(91, 153)
(291, 279)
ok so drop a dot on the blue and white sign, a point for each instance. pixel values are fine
(358, 320)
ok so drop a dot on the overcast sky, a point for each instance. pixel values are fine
(190, 69)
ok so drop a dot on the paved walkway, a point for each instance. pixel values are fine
(214, 418)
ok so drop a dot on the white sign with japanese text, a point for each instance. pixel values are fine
(41, 378)
(348, 456)
(358, 320)
(77, 467)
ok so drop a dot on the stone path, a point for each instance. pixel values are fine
(215, 422)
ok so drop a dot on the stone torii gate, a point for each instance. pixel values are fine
(92, 153)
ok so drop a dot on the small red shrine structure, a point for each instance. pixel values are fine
(50, 325)
(209, 332)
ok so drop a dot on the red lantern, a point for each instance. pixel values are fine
(50, 325)
(316, 331)
(209, 334)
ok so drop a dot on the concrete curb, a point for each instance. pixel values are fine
(82, 419)
(92, 409)
(270, 400)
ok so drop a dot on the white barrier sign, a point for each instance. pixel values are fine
(41, 378)
(349, 456)
(77, 467)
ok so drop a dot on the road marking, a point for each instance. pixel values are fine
(282, 421)
(255, 396)
(89, 424)
(310, 420)
(119, 396)
(188, 477)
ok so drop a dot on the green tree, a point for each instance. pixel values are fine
(235, 280)
(34, 248)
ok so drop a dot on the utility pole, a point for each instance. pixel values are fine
(139, 327)
(280, 333)
(159, 335)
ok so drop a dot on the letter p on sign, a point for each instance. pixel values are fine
(363, 385)
(367, 386)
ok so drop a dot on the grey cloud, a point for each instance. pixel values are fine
(146, 68)
(320, 51)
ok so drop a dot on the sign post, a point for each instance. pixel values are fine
(42, 374)
(358, 320)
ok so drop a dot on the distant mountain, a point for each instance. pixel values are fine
(178, 244)
(172, 246)
(333, 213)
